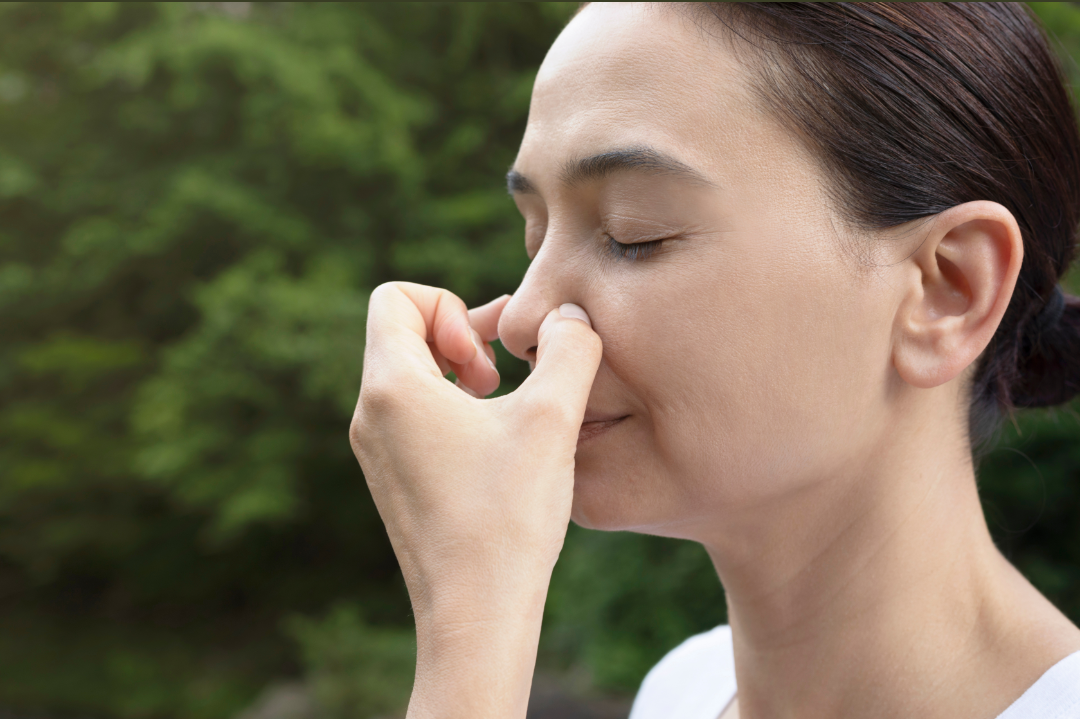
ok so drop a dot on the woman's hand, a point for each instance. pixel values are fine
(475, 494)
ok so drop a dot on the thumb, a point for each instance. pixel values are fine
(567, 356)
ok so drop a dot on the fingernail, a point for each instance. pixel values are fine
(477, 343)
(480, 348)
(573, 311)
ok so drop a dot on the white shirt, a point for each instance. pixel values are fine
(696, 680)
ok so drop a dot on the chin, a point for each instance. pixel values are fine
(596, 504)
(621, 483)
(611, 500)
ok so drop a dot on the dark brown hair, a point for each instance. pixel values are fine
(913, 108)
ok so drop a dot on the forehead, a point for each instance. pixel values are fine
(638, 74)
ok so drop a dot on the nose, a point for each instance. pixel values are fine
(547, 284)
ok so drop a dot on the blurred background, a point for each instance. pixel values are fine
(195, 201)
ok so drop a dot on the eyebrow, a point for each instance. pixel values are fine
(596, 167)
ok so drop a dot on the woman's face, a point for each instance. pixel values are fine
(746, 356)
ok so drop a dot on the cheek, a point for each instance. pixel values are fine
(623, 478)
(755, 386)
(769, 385)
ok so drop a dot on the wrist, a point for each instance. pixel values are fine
(476, 658)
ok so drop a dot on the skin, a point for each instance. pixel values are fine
(785, 390)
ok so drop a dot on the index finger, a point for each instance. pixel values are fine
(485, 318)
(403, 317)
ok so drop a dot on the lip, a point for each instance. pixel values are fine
(596, 424)
(594, 416)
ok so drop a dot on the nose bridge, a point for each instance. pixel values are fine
(549, 282)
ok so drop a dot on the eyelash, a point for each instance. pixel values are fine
(634, 251)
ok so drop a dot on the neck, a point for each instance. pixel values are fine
(875, 592)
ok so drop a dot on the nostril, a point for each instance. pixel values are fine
(531, 352)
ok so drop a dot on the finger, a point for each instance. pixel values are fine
(567, 357)
(485, 318)
(480, 374)
(466, 390)
(403, 317)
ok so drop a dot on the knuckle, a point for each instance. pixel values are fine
(357, 434)
(377, 400)
(385, 397)
(378, 409)
(364, 421)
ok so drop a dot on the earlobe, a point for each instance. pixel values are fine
(958, 286)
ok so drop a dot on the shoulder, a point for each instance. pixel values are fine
(695, 680)
(1055, 696)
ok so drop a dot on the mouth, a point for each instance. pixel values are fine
(595, 426)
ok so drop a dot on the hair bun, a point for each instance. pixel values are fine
(1048, 363)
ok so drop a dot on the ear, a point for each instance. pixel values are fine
(958, 284)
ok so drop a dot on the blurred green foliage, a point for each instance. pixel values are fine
(354, 668)
(195, 201)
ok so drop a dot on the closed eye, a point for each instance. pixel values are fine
(632, 251)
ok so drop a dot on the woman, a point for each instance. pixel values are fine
(790, 263)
